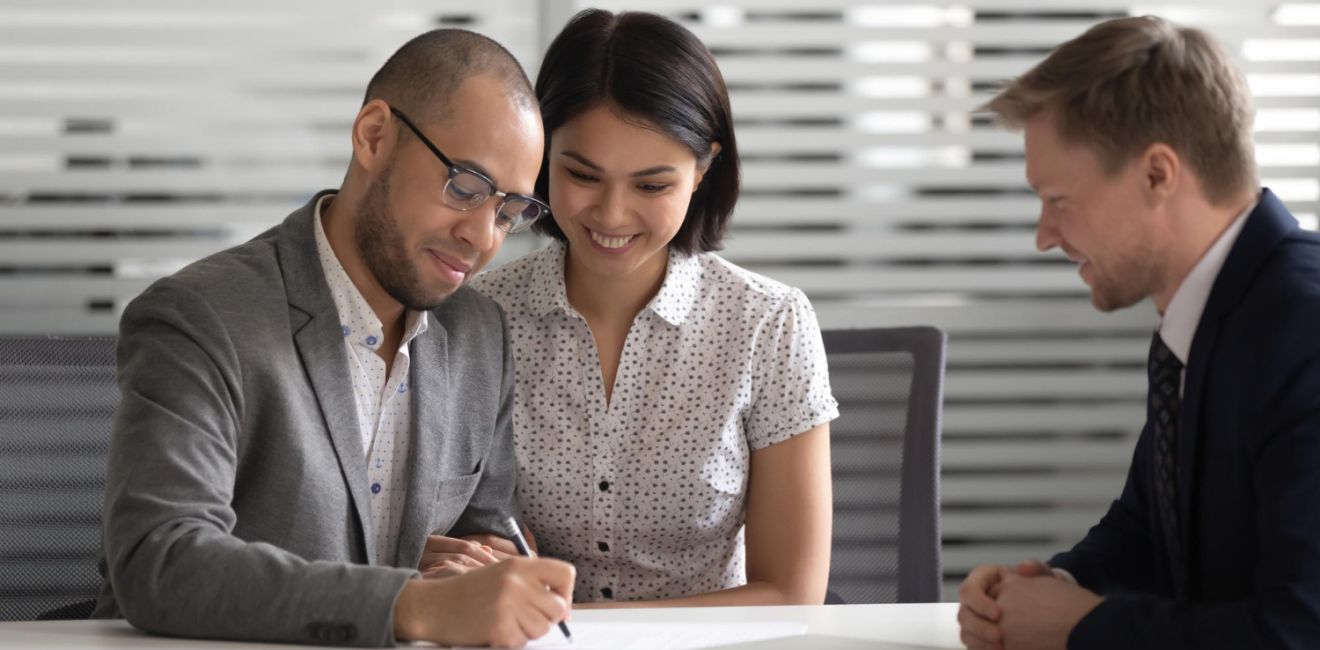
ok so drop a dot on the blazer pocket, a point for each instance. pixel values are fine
(457, 488)
(451, 499)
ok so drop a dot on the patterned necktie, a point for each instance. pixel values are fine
(1162, 405)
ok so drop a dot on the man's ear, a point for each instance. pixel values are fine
(1162, 171)
(703, 166)
(374, 136)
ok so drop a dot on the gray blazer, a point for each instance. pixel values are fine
(237, 502)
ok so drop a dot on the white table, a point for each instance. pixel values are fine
(904, 626)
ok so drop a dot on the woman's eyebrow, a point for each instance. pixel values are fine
(586, 162)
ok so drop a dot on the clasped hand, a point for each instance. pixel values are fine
(1027, 607)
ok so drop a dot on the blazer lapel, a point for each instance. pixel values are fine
(320, 342)
(1266, 226)
(430, 445)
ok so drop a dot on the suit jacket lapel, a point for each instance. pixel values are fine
(319, 337)
(430, 445)
(1266, 226)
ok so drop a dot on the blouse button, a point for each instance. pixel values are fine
(604, 548)
(607, 592)
(604, 486)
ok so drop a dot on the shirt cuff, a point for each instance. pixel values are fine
(1064, 575)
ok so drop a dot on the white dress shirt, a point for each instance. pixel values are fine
(646, 494)
(384, 405)
(1181, 318)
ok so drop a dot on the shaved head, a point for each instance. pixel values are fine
(422, 77)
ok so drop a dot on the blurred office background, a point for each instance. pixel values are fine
(139, 135)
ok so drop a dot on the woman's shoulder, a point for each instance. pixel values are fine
(510, 284)
(724, 280)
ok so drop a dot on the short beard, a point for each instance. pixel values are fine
(1108, 300)
(384, 252)
(1139, 279)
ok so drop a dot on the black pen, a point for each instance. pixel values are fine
(515, 535)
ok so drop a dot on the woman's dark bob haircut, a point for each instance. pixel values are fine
(657, 72)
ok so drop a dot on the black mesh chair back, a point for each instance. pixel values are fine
(885, 453)
(57, 402)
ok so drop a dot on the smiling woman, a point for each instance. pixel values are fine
(657, 76)
(672, 410)
(623, 191)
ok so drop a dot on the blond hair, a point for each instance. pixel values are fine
(1129, 83)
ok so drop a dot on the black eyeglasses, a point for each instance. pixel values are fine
(468, 188)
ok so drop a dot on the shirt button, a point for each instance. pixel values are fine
(607, 592)
(375, 488)
(604, 548)
(604, 486)
(371, 340)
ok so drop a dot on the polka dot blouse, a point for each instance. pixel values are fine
(646, 494)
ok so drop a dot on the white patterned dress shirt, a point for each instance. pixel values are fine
(384, 404)
(646, 495)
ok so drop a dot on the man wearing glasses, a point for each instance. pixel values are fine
(307, 417)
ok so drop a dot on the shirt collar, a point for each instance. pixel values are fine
(1183, 315)
(546, 292)
(349, 302)
(672, 303)
(679, 292)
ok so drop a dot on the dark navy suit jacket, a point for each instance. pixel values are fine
(1248, 457)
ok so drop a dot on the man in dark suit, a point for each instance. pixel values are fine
(302, 412)
(1138, 143)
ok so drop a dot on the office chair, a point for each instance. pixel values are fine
(57, 402)
(885, 454)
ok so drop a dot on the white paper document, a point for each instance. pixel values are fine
(663, 636)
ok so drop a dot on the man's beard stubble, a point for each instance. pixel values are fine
(384, 251)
